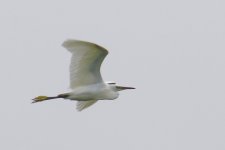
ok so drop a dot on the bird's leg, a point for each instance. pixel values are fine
(64, 95)
(43, 98)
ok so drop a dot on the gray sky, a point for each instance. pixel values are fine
(173, 52)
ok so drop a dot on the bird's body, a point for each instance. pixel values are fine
(101, 91)
(85, 79)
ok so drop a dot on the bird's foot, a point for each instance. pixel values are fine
(39, 99)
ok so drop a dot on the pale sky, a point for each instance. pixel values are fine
(172, 51)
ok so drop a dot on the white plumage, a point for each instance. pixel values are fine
(86, 82)
(85, 63)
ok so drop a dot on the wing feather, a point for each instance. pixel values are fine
(84, 104)
(85, 62)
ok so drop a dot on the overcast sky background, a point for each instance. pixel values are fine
(172, 51)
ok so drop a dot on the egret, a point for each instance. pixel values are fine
(86, 83)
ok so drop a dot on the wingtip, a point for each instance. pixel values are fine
(81, 105)
(68, 42)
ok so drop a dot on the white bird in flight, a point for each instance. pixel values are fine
(86, 83)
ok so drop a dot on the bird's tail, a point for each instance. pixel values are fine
(43, 98)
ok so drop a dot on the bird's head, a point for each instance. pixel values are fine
(118, 88)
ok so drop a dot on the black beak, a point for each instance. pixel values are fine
(120, 88)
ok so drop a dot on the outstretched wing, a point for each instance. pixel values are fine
(85, 63)
(84, 104)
